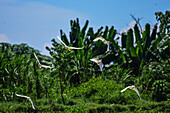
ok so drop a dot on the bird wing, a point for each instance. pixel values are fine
(101, 66)
(27, 98)
(108, 46)
(98, 38)
(135, 89)
(74, 48)
(32, 104)
(21, 96)
(45, 66)
(61, 41)
(125, 89)
(94, 60)
(37, 59)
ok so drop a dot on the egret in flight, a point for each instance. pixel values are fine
(27, 98)
(66, 47)
(103, 40)
(39, 64)
(132, 88)
(99, 63)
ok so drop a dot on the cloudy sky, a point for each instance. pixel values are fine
(36, 22)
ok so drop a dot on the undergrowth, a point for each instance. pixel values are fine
(96, 95)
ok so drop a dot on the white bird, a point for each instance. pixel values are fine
(66, 47)
(39, 64)
(132, 88)
(103, 40)
(27, 98)
(99, 63)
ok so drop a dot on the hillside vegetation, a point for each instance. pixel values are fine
(74, 83)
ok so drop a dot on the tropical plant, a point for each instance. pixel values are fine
(141, 59)
(19, 71)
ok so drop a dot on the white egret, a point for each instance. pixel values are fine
(132, 88)
(39, 64)
(27, 98)
(103, 40)
(66, 47)
(99, 63)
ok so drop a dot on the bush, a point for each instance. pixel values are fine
(155, 80)
(102, 91)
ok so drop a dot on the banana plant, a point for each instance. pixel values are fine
(80, 64)
(148, 47)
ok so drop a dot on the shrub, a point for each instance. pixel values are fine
(102, 91)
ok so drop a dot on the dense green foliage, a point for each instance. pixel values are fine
(75, 84)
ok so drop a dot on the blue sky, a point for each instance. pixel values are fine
(36, 22)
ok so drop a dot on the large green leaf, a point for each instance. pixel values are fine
(146, 37)
(111, 32)
(154, 32)
(105, 32)
(139, 50)
(137, 34)
(122, 56)
(91, 34)
(99, 32)
(129, 41)
(123, 40)
(132, 52)
(84, 29)
(155, 43)
(64, 37)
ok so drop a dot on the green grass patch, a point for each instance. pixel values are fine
(97, 95)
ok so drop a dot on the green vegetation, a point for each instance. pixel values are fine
(76, 84)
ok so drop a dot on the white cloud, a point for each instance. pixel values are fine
(151, 28)
(4, 38)
(124, 30)
(131, 25)
(45, 51)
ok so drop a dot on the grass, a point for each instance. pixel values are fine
(81, 106)
(96, 95)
